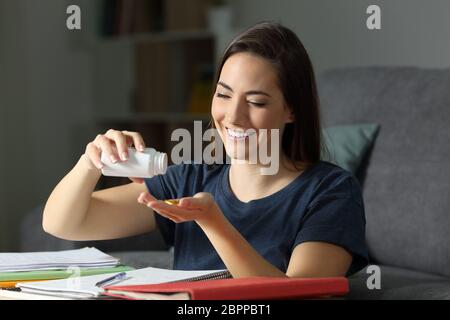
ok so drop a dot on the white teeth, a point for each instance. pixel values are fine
(237, 134)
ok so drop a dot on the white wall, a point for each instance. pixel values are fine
(15, 137)
(47, 92)
(414, 32)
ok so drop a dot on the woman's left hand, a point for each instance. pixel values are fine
(201, 208)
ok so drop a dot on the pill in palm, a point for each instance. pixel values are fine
(173, 202)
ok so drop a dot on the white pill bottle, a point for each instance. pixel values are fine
(140, 164)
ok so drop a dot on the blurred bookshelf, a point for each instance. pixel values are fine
(155, 117)
(154, 62)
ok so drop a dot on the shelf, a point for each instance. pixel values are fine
(167, 36)
(157, 117)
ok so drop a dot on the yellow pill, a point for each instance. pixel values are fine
(173, 202)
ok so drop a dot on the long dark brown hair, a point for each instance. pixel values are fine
(301, 140)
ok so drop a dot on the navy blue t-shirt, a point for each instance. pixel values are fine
(324, 203)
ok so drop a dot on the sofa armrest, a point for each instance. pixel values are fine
(34, 238)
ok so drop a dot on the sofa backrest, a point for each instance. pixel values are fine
(406, 187)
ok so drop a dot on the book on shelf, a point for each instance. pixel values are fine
(153, 81)
(202, 90)
(174, 77)
(124, 17)
(185, 14)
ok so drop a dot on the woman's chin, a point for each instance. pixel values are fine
(234, 155)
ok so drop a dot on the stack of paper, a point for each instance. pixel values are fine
(10, 279)
(79, 258)
(85, 287)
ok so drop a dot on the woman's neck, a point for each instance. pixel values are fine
(247, 182)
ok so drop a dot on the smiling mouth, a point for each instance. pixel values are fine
(238, 135)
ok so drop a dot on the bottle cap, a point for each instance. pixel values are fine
(159, 163)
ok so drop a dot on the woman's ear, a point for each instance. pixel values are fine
(291, 117)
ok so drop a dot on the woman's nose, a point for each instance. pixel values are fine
(237, 112)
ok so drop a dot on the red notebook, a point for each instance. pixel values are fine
(251, 288)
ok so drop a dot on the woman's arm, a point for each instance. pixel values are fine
(318, 259)
(240, 258)
(309, 259)
(74, 212)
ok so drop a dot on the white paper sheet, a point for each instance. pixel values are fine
(25, 261)
(84, 287)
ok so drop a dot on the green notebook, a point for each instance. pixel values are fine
(58, 274)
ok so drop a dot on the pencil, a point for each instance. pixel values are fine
(12, 284)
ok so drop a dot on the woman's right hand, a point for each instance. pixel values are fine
(115, 144)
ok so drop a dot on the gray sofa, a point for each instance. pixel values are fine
(405, 179)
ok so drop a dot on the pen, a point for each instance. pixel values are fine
(118, 277)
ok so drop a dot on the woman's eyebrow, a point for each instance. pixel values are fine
(223, 84)
(257, 92)
(247, 93)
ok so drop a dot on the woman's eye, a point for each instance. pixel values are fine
(224, 96)
(257, 104)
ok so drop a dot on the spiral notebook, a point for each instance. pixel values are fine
(246, 288)
(85, 287)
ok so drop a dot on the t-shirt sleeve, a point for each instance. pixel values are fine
(337, 216)
(171, 185)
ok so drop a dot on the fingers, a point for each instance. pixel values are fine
(137, 180)
(146, 198)
(199, 200)
(120, 143)
(184, 202)
(171, 209)
(203, 196)
(94, 155)
(188, 208)
(169, 215)
(104, 144)
(136, 139)
(114, 144)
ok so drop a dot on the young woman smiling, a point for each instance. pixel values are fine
(307, 220)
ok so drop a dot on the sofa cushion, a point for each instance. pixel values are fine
(398, 283)
(407, 180)
(347, 145)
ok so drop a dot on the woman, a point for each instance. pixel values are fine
(307, 220)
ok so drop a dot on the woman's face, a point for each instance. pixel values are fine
(247, 97)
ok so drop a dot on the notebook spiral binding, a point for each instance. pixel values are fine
(212, 276)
